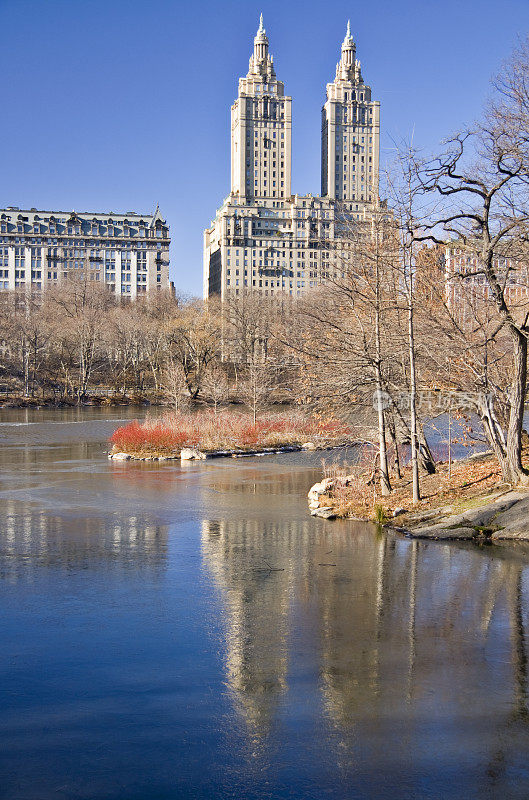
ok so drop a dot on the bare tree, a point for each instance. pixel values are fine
(216, 384)
(409, 220)
(256, 387)
(347, 342)
(482, 181)
(247, 321)
(175, 386)
(82, 307)
(193, 340)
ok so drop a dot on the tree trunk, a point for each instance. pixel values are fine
(416, 496)
(513, 470)
(25, 364)
(508, 451)
(393, 436)
(492, 428)
(385, 486)
(154, 375)
(424, 454)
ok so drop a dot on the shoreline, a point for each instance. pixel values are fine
(468, 502)
(500, 516)
(89, 402)
(192, 454)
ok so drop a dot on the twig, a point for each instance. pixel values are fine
(268, 568)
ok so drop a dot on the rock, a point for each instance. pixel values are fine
(191, 454)
(308, 446)
(320, 488)
(119, 456)
(315, 491)
(507, 516)
(512, 535)
(482, 455)
(397, 511)
(424, 516)
(511, 520)
(326, 512)
(324, 487)
(438, 532)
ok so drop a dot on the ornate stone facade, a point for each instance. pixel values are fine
(128, 252)
(350, 133)
(264, 238)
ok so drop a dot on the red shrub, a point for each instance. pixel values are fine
(134, 438)
(227, 430)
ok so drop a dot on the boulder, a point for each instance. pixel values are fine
(120, 456)
(440, 532)
(397, 511)
(191, 454)
(326, 512)
(324, 487)
(320, 488)
(308, 446)
(315, 491)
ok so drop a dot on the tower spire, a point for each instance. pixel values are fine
(346, 67)
(261, 62)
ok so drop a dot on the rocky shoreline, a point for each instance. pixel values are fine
(500, 516)
(192, 454)
(498, 513)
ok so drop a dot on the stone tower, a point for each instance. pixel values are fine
(350, 133)
(261, 125)
(264, 239)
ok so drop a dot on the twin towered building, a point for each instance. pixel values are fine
(264, 238)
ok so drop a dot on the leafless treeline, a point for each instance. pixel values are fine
(77, 339)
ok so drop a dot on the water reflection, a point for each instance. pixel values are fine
(257, 611)
(407, 637)
(33, 540)
(518, 639)
(190, 631)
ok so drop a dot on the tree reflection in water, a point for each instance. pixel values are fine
(408, 637)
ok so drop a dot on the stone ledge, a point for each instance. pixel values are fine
(502, 518)
(193, 454)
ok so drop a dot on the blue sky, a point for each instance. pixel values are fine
(115, 105)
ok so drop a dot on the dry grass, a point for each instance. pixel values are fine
(468, 483)
(228, 430)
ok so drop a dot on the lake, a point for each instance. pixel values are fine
(189, 631)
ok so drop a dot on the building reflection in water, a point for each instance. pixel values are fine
(403, 632)
(251, 553)
(256, 601)
(33, 539)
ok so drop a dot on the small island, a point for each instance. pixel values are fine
(208, 434)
